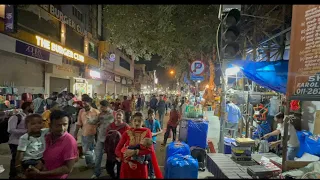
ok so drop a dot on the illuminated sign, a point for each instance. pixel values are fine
(58, 49)
(63, 18)
(95, 74)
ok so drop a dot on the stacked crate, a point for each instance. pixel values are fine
(242, 149)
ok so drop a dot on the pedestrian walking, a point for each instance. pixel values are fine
(133, 137)
(87, 120)
(105, 118)
(155, 128)
(162, 109)
(114, 133)
(61, 150)
(17, 128)
(126, 106)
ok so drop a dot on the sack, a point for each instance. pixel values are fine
(312, 146)
(177, 148)
(181, 167)
(112, 139)
(302, 139)
(4, 135)
(263, 146)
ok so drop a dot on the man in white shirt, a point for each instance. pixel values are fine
(293, 142)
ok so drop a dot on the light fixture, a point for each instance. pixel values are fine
(232, 71)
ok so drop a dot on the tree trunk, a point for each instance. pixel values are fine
(209, 94)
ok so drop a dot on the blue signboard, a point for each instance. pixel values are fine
(196, 78)
(32, 51)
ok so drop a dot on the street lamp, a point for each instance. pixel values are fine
(172, 72)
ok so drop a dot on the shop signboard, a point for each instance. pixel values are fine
(63, 18)
(9, 18)
(117, 78)
(46, 44)
(123, 80)
(32, 51)
(107, 76)
(304, 64)
(66, 70)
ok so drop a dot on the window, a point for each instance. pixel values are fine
(74, 40)
(124, 63)
(77, 13)
(35, 18)
(93, 50)
(93, 20)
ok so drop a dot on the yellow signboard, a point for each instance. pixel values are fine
(58, 49)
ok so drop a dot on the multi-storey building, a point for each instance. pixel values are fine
(48, 48)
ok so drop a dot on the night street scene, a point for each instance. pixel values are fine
(159, 91)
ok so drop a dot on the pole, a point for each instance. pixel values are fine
(285, 136)
(223, 93)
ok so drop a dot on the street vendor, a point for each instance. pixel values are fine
(293, 142)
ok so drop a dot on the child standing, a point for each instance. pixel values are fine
(31, 145)
(172, 124)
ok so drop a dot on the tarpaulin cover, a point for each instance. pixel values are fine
(302, 135)
(197, 133)
(177, 148)
(181, 167)
(272, 75)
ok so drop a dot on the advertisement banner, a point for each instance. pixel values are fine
(304, 64)
(32, 51)
(9, 18)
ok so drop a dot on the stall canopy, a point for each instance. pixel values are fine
(272, 74)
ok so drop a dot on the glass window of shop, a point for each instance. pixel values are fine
(93, 50)
(125, 64)
(34, 18)
(74, 40)
(93, 20)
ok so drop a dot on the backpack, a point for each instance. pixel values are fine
(4, 135)
(112, 139)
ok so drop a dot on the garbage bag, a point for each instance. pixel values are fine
(177, 148)
(312, 145)
(302, 139)
(181, 167)
(263, 146)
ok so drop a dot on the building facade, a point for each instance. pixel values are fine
(55, 48)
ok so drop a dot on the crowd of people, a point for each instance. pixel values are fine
(42, 145)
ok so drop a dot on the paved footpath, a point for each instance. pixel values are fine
(77, 173)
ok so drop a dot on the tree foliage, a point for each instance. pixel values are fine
(178, 33)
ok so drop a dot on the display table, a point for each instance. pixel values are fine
(223, 166)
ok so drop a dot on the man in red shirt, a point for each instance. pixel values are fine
(126, 107)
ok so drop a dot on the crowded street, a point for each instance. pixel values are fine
(177, 91)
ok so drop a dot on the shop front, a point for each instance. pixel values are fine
(118, 87)
(124, 88)
(23, 65)
(61, 78)
(110, 84)
(96, 83)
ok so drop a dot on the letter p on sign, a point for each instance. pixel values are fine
(197, 67)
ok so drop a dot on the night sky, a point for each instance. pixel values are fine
(162, 73)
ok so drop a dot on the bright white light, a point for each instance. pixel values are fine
(199, 81)
(232, 71)
(156, 80)
(95, 74)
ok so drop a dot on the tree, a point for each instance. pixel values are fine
(178, 33)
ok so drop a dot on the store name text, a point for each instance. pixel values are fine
(64, 19)
(58, 49)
